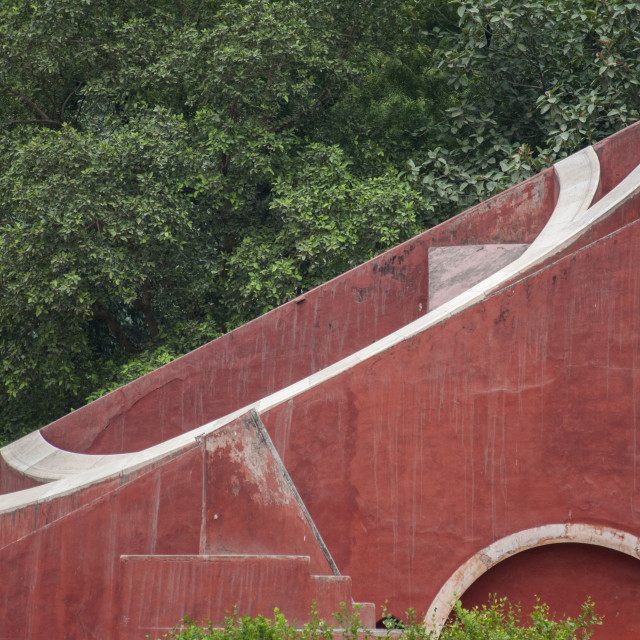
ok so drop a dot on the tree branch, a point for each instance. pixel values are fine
(45, 119)
(349, 37)
(144, 305)
(196, 15)
(182, 9)
(326, 91)
(13, 123)
(48, 96)
(66, 100)
(100, 312)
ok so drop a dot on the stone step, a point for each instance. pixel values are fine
(212, 586)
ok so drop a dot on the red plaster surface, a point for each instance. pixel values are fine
(213, 585)
(11, 480)
(516, 413)
(618, 154)
(519, 412)
(60, 581)
(62, 572)
(250, 507)
(22, 522)
(576, 572)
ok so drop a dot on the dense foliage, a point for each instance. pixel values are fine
(499, 620)
(171, 168)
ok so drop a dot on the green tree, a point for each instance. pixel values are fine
(145, 149)
(323, 220)
(533, 82)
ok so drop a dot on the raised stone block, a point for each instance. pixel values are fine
(453, 270)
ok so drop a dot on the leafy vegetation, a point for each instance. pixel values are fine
(499, 620)
(169, 169)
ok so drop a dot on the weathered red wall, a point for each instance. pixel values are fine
(60, 581)
(618, 155)
(216, 525)
(298, 338)
(253, 584)
(11, 480)
(250, 504)
(519, 412)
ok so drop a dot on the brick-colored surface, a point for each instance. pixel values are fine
(519, 412)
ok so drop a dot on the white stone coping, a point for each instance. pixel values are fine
(66, 471)
(504, 548)
(41, 461)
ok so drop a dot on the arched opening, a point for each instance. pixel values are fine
(564, 576)
(593, 561)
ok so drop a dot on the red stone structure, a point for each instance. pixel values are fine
(458, 416)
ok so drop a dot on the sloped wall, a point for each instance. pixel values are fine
(518, 412)
(298, 338)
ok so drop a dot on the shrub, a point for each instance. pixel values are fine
(498, 620)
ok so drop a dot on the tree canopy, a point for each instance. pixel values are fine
(169, 169)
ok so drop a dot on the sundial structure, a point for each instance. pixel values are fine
(458, 416)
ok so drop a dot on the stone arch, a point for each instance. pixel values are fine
(515, 543)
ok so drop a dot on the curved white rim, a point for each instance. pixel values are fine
(515, 543)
